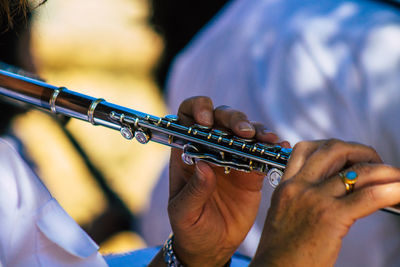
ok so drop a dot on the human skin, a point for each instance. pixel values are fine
(310, 211)
(211, 212)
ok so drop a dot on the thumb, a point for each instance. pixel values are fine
(188, 204)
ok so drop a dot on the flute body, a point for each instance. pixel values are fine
(196, 141)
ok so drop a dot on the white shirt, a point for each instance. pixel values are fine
(34, 228)
(308, 70)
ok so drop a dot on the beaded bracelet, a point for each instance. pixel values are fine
(170, 258)
(169, 255)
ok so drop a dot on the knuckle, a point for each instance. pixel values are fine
(302, 145)
(199, 102)
(192, 104)
(239, 115)
(371, 194)
(374, 156)
(287, 190)
(362, 168)
(371, 149)
(334, 144)
(374, 153)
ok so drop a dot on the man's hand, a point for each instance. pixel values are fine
(211, 212)
(311, 211)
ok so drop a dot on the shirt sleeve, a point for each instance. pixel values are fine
(34, 228)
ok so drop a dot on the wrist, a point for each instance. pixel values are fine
(176, 255)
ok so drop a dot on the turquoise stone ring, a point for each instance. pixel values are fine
(349, 179)
(351, 176)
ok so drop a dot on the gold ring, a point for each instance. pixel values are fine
(349, 180)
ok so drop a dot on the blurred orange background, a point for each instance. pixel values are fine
(104, 49)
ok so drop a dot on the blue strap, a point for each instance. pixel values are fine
(142, 257)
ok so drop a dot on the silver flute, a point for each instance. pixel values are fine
(196, 141)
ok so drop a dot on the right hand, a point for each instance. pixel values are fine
(310, 211)
(211, 212)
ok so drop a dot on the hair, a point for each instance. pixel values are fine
(11, 12)
(14, 48)
(14, 12)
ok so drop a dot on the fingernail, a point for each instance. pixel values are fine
(285, 144)
(245, 126)
(266, 132)
(205, 117)
(270, 135)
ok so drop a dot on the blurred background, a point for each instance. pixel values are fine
(104, 49)
(110, 50)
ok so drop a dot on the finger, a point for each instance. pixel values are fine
(187, 206)
(334, 155)
(368, 174)
(285, 144)
(369, 199)
(263, 135)
(234, 120)
(198, 109)
(298, 157)
(177, 182)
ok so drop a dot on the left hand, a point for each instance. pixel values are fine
(211, 212)
(311, 211)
